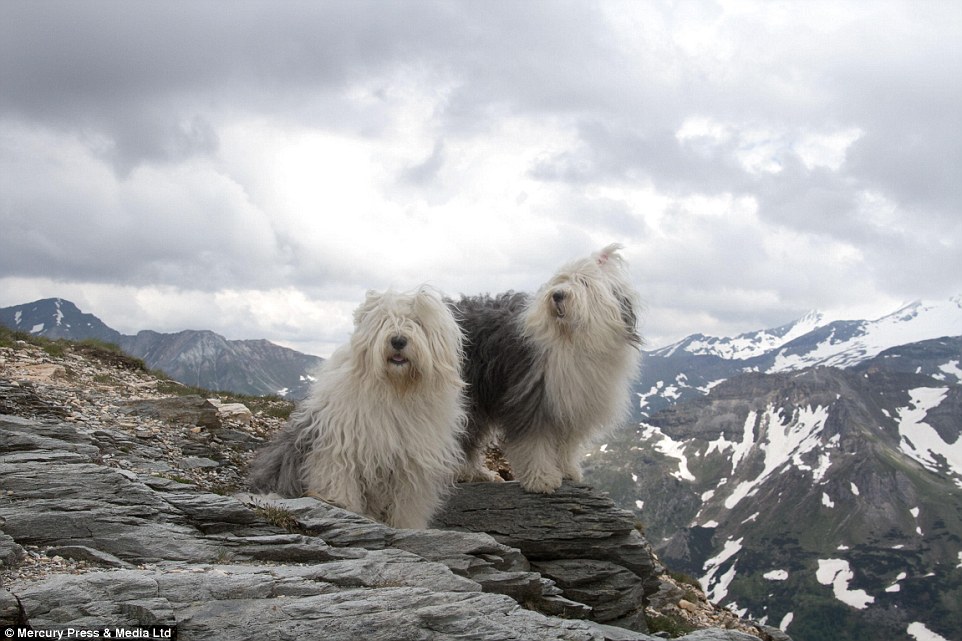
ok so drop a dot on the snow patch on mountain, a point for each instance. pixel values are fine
(669, 447)
(920, 440)
(913, 323)
(58, 314)
(741, 450)
(657, 390)
(717, 589)
(895, 587)
(787, 440)
(786, 621)
(754, 344)
(673, 391)
(915, 514)
(952, 369)
(836, 573)
(919, 632)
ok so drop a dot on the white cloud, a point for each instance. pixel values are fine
(757, 160)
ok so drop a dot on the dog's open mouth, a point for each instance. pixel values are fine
(559, 308)
(398, 360)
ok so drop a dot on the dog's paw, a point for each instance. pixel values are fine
(490, 475)
(545, 484)
(574, 474)
(479, 475)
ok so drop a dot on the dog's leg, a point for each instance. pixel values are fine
(534, 462)
(415, 495)
(569, 456)
(473, 469)
(413, 511)
(343, 491)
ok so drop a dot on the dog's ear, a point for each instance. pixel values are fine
(608, 254)
(371, 299)
(427, 302)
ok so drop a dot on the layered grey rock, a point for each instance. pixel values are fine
(330, 601)
(575, 536)
(496, 567)
(154, 551)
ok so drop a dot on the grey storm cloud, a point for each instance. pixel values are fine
(479, 144)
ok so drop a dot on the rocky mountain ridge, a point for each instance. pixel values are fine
(200, 358)
(684, 370)
(693, 366)
(118, 507)
(809, 475)
(824, 501)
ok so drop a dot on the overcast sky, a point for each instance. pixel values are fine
(254, 167)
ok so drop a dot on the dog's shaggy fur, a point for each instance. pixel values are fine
(379, 433)
(549, 371)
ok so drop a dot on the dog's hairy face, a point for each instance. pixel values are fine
(588, 295)
(407, 338)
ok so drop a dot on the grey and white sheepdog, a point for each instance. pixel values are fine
(379, 433)
(550, 371)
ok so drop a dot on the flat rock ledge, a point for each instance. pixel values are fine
(145, 550)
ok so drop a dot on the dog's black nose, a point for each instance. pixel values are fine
(398, 342)
(558, 296)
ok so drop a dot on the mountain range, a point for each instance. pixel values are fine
(691, 367)
(810, 475)
(200, 358)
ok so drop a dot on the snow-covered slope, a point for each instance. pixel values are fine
(752, 344)
(850, 343)
(827, 501)
(692, 367)
(809, 475)
(816, 339)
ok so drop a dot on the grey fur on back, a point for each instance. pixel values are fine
(277, 466)
(505, 383)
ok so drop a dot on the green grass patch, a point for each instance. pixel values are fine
(280, 517)
(111, 354)
(664, 624)
(685, 579)
(16, 339)
(56, 349)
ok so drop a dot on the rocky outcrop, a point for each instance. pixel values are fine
(108, 519)
(576, 537)
(153, 551)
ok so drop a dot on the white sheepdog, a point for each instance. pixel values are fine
(379, 433)
(549, 371)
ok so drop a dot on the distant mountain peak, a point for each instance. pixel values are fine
(693, 366)
(56, 318)
(196, 357)
(752, 344)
